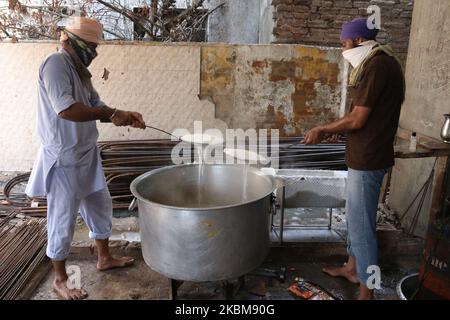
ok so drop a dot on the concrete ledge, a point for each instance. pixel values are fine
(393, 244)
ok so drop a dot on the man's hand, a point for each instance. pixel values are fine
(313, 136)
(351, 122)
(334, 138)
(128, 118)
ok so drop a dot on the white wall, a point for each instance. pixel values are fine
(266, 23)
(427, 99)
(161, 82)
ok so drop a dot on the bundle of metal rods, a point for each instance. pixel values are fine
(123, 161)
(22, 244)
(19, 199)
(324, 156)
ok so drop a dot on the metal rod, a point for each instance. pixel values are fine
(331, 221)
(23, 246)
(123, 161)
(160, 130)
(283, 193)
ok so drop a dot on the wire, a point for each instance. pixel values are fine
(423, 193)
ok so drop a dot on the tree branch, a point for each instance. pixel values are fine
(126, 13)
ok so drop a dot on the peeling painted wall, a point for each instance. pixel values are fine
(243, 86)
(288, 87)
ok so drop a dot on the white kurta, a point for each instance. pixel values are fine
(68, 145)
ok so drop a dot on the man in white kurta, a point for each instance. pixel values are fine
(68, 168)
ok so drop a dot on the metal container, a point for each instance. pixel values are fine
(313, 188)
(204, 223)
(445, 131)
(411, 288)
(407, 287)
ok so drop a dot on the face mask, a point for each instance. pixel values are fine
(356, 55)
(84, 51)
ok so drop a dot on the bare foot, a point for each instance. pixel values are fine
(112, 263)
(60, 287)
(365, 293)
(344, 272)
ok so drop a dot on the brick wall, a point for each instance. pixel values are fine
(319, 22)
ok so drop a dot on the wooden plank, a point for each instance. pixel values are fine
(435, 145)
(405, 134)
(402, 152)
(437, 197)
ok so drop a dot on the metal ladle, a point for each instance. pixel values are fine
(160, 130)
(186, 138)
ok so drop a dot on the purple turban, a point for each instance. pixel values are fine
(358, 29)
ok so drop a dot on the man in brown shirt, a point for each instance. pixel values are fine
(377, 88)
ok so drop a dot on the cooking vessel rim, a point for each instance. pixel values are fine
(136, 194)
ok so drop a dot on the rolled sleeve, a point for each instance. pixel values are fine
(56, 77)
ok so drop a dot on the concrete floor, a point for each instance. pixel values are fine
(313, 249)
(140, 282)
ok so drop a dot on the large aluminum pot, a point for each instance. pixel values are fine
(204, 225)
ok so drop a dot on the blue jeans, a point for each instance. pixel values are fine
(363, 191)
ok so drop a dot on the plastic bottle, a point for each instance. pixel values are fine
(413, 142)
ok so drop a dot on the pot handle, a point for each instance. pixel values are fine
(277, 181)
(273, 205)
(132, 205)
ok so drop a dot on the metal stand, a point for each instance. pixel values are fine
(283, 192)
(281, 227)
(173, 288)
(229, 289)
(330, 222)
